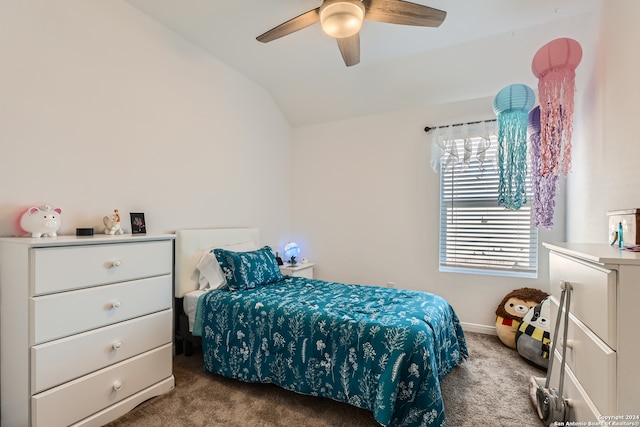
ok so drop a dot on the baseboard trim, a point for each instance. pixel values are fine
(481, 329)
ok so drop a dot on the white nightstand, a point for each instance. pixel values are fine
(299, 270)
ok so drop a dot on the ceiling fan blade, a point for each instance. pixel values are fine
(291, 26)
(350, 49)
(403, 12)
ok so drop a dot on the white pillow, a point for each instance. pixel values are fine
(210, 272)
(211, 275)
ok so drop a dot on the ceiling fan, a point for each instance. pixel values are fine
(342, 19)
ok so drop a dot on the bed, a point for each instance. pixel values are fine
(382, 349)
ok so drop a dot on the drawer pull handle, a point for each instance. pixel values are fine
(117, 345)
(115, 304)
(117, 386)
(116, 263)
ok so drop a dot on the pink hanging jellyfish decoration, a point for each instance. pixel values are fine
(554, 65)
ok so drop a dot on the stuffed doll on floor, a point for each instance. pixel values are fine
(514, 306)
(533, 336)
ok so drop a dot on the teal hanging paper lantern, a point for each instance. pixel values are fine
(512, 105)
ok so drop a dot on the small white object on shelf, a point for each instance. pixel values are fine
(41, 221)
(112, 223)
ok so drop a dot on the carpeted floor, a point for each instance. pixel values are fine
(489, 389)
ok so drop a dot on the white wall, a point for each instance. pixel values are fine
(366, 207)
(608, 148)
(103, 108)
(365, 204)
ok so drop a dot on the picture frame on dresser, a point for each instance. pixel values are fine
(138, 224)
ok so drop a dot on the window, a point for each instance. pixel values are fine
(477, 235)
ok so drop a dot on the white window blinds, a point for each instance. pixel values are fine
(477, 235)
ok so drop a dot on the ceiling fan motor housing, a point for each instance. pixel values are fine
(341, 18)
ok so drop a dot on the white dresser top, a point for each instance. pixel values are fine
(600, 253)
(71, 240)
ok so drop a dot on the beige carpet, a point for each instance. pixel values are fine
(489, 389)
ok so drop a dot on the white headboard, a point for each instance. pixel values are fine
(190, 244)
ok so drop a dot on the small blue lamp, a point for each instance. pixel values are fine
(291, 251)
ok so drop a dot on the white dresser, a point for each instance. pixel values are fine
(85, 327)
(603, 364)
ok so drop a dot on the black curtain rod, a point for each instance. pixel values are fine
(427, 129)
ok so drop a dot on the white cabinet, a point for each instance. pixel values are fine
(85, 327)
(603, 345)
(299, 270)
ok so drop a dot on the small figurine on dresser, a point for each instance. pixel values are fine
(112, 223)
(41, 221)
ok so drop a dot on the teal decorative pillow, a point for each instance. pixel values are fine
(246, 270)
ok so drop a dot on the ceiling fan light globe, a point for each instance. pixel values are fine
(341, 19)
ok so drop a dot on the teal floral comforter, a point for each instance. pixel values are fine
(382, 349)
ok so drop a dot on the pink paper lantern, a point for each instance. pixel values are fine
(554, 65)
(557, 54)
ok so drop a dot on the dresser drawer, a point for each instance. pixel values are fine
(581, 409)
(594, 298)
(71, 402)
(60, 315)
(65, 359)
(59, 269)
(591, 360)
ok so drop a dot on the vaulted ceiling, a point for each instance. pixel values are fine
(481, 47)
